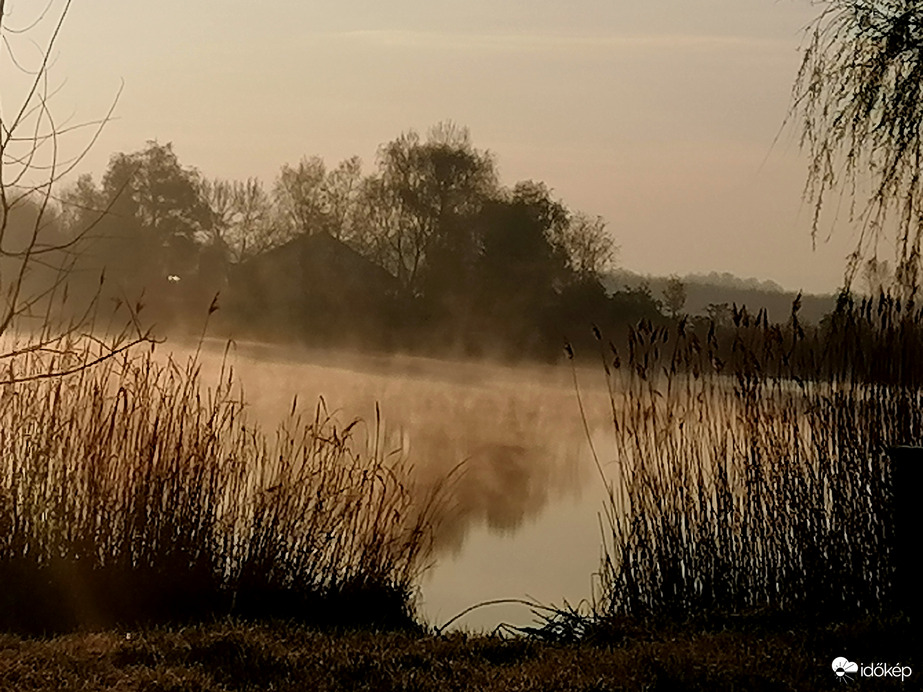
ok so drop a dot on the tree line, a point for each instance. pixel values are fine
(476, 265)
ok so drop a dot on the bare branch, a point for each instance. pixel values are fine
(37, 263)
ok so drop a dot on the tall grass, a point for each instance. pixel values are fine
(749, 469)
(130, 493)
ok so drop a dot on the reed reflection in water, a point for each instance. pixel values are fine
(510, 440)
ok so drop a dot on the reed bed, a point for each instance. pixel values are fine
(749, 470)
(129, 493)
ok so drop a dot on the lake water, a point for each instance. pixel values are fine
(524, 518)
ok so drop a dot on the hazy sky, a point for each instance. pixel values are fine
(659, 115)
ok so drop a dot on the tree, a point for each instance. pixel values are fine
(300, 197)
(519, 240)
(628, 306)
(418, 206)
(674, 296)
(151, 187)
(589, 247)
(310, 198)
(521, 272)
(148, 218)
(242, 218)
(342, 190)
(859, 97)
(381, 232)
(220, 196)
(36, 259)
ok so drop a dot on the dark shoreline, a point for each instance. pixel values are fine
(239, 656)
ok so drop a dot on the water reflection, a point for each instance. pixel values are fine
(521, 518)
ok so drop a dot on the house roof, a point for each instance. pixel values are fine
(318, 261)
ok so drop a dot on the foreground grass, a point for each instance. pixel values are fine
(749, 465)
(131, 493)
(236, 656)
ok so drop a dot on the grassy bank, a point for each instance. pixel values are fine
(748, 534)
(235, 656)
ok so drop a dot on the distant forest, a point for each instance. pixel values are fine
(709, 294)
(428, 252)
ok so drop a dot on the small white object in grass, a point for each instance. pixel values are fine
(173, 278)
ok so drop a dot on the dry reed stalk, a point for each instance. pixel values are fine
(750, 464)
(130, 493)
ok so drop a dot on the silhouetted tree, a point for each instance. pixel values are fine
(522, 272)
(629, 306)
(342, 186)
(674, 296)
(300, 198)
(242, 218)
(309, 198)
(588, 246)
(859, 95)
(418, 205)
(148, 220)
(219, 196)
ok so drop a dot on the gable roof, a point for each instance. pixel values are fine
(314, 264)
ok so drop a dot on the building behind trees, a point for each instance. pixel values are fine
(427, 252)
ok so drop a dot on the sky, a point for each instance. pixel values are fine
(665, 117)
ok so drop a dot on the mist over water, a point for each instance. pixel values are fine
(520, 515)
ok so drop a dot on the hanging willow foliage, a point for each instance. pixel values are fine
(858, 98)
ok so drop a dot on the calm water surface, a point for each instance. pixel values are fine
(524, 519)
